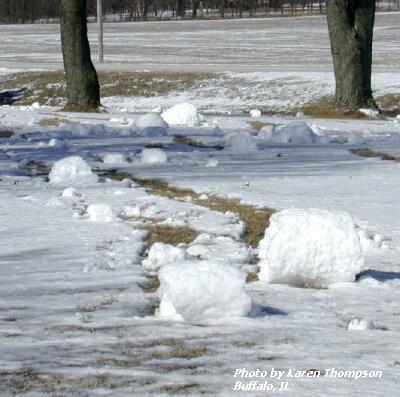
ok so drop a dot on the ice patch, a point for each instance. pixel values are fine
(201, 290)
(161, 254)
(310, 248)
(153, 156)
(182, 114)
(72, 171)
(100, 212)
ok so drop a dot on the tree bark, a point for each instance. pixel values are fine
(83, 89)
(351, 25)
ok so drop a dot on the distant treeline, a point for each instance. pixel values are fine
(29, 11)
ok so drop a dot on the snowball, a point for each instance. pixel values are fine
(72, 171)
(360, 325)
(255, 113)
(70, 192)
(374, 114)
(240, 142)
(212, 163)
(114, 158)
(200, 290)
(310, 248)
(153, 156)
(100, 212)
(297, 132)
(131, 212)
(182, 114)
(161, 254)
(299, 115)
(55, 143)
(151, 125)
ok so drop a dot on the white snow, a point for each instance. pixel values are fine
(100, 212)
(182, 114)
(362, 324)
(255, 113)
(310, 247)
(70, 192)
(370, 113)
(240, 142)
(154, 156)
(212, 163)
(202, 290)
(72, 171)
(114, 159)
(161, 254)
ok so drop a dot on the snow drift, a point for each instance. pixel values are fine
(200, 290)
(310, 248)
(72, 171)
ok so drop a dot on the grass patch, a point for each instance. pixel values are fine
(34, 168)
(326, 108)
(185, 140)
(184, 389)
(390, 104)
(53, 122)
(370, 153)
(259, 125)
(48, 88)
(256, 219)
(169, 234)
(181, 351)
(27, 380)
(6, 133)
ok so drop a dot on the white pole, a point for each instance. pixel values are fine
(100, 29)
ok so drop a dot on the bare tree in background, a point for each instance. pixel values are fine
(83, 89)
(351, 25)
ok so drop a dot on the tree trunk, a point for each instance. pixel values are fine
(83, 89)
(351, 24)
(180, 8)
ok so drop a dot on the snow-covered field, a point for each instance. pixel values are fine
(78, 314)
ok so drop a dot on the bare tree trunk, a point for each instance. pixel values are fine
(82, 83)
(351, 24)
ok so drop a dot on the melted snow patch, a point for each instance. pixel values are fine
(202, 290)
(310, 247)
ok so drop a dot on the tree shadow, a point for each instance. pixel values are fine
(378, 276)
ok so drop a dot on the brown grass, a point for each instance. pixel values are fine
(6, 133)
(48, 88)
(53, 122)
(256, 219)
(327, 109)
(389, 103)
(183, 389)
(185, 140)
(34, 168)
(26, 380)
(258, 125)
(370, 153)
(169, 234)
